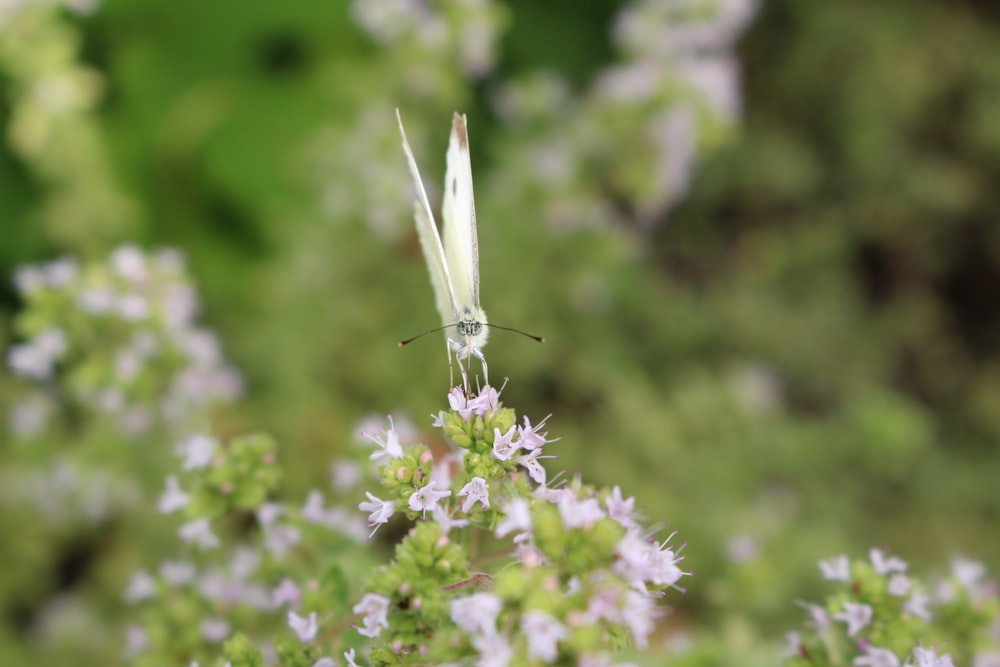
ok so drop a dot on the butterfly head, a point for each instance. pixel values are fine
(471, 331)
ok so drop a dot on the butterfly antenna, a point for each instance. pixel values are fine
(406, 342)
(537, 339)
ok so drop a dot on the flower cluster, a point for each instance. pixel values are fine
(882, 617)
(250, 566)
(465, 32)
(51, 120)
(673, 94)
(122, 336)
(587, 576)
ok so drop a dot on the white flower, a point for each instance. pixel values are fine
(376, 610)
(177, 573)
(388, 443)
(379, 510)
(639, 613)
(304, 627)
(818, 617)
(640, 561)
(856, 616)
(446, 521)
(214, 630)
(899, 585)
(477, 614)
(579, 513)
(877, 657)
(543, 632)
(286, 593)
(36, 358)
(494, 650)
(530, 462)
(459, 403)
(503, 444)
(141, 587)
(517, 517)
(198, 451)
(620, 510)
(926, 657)
(129, 262)
(488, 400)
(426, 498)
(280, 539)
(884, 565)
(476, 491)
(836, 568)
(173, 498)
(198, 532)
(528, 437)
(916, 605)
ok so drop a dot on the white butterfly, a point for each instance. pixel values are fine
(454, 266)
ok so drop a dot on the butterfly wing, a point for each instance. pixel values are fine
(430, 241)
(461, 242)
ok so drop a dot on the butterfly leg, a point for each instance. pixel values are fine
(486, 369)
(458, 350)
(451, 367)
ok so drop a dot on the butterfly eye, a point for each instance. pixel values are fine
(469, 328)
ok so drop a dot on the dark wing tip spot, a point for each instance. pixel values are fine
(454, 186)
(460, 130)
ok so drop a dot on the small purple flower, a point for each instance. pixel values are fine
(198, 451)
(388, 443)
(899, 585)
(173, 498)
(877, 657)
(304, 627)
(917, 605)
(503, 444)
(528, 436)
(577, 513)
(177, 573)
(286, 593)
(639, 614)
(476, 491)
(517, 518)
(494, 650)
(445, 520)
(836, 568)
(376, 610)
(488, 400)
(214, 630)
(425, 498)
(543, 633)
(198, 532)
(477, 613)
(141, 587)
(926, 657)
(269, 513)
(856, 616)
(379, 510)
(884, 565)
(460, 403)
(279, 540)
(620, 510)
(530, 463)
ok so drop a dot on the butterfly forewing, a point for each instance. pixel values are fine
(430, 241)
(461, 245)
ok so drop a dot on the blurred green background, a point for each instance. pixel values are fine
(778, 327)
